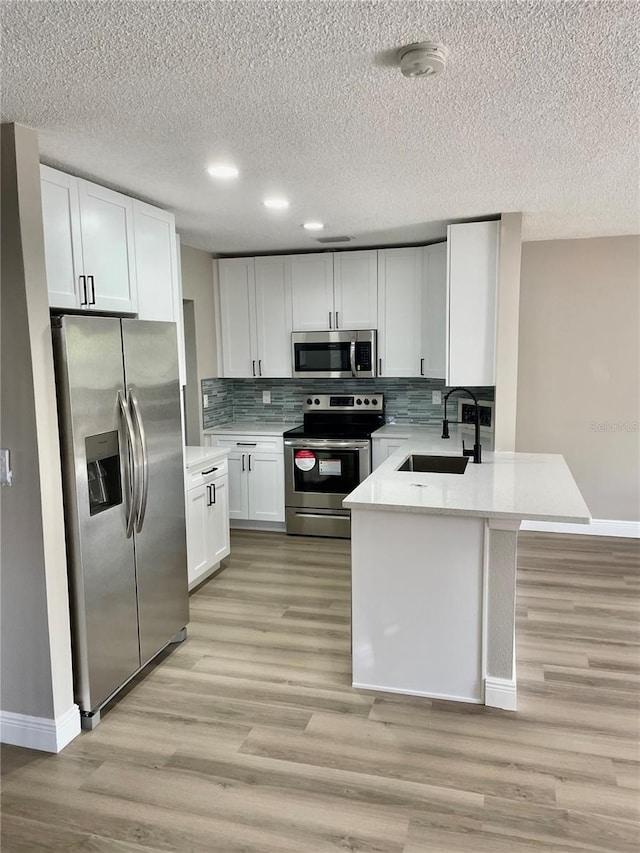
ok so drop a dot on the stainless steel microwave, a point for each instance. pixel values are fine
(334, 355)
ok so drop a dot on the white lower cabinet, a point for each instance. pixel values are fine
(382, 448)
(256, 477)
(207, 517)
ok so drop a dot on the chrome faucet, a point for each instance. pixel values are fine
(476, 453)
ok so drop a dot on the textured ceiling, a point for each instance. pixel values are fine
(537, 111)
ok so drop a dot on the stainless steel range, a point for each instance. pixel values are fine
(326, 458)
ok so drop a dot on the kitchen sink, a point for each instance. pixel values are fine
(435, 464)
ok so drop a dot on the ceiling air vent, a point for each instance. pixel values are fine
(343, 239)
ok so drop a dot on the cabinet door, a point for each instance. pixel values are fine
(399, 311)
(312, 292)
(266, 486)
(355, 289)
(219, 520)
(238, 497)
(154, 234)
(106, 223)
(273, 316)
(472, 273)
(198, 536)
(62, 243)
(434, 312)
(237, 312)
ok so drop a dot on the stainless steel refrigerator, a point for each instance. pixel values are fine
(122, 460)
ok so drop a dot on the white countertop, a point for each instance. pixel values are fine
(252, 427)
(198, 455)
(532, 486)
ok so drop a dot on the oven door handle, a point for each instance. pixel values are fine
(326, 444)
(352, 356)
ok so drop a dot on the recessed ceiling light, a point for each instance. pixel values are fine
(276, 203)
(313, 226)
(223, 170)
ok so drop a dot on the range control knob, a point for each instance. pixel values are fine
(358, 402)
(366, 401)
(309, 401)
(374, 402)
(317, 402)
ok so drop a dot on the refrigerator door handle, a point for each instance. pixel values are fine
(142, 438)
(133, 462)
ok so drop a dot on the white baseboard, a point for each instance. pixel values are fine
(448, 697)
(500, 693)
(597, 527)
(40, 732)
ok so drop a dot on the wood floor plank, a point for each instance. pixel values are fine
(248, 738)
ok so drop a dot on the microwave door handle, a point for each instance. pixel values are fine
(352, 354)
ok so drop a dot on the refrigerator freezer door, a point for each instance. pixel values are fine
(101, 558)
(151, 375)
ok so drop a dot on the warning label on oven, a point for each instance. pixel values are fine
(305, 460)
(331, 466)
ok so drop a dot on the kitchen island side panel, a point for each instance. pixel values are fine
(417, 593)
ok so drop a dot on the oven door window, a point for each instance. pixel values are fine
(325, 471)
(323, 357)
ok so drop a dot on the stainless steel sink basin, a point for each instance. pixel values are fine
(435, 464)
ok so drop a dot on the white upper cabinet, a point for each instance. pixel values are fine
(89, 245)
(237, 293)
(312, 292)
(273, 316)
(434, 312)
(472, 274)
(255, 316)
(400, 286)
(155, 251)
(355, 289)
(62, 243)
(106, 226)
(335, 291)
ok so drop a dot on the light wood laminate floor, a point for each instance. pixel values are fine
(249, 738)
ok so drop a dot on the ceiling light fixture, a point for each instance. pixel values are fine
(223, 170)
(313, 226)
(276, 203)
(423, 59)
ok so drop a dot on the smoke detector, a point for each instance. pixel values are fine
(423, 59)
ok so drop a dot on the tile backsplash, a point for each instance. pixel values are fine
(406, 400)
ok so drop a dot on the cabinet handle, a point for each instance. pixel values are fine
(336, 319)
(379, 367)
(259, 367)
(330, 326)
(243, 461)
(82, 279)
(213, 488)
(208, 495)
(249, 461)
(254, 367)
(422, 367)
(92, 301)
(210, 471)
(246, 443)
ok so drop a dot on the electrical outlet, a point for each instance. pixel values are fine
(206, 400)
(266, 397)
(436, 397)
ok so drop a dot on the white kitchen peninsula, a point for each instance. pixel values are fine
(434, 569)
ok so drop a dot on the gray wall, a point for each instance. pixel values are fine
(36, 673)
(579, 365)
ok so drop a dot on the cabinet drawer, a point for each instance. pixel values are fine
(250, 443)
(205, 473)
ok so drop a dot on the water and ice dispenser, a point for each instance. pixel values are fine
(103, 471)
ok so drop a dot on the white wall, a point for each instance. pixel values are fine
(579, 365)
(36, 669)
(197, 286)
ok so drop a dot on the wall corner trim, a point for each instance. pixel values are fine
(596, 527)
(500, 693)
(40, 733)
